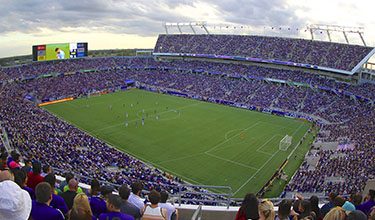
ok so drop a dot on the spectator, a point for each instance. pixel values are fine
(134, 197)
(57, 201)
(328, 206)
(284, 212)
(47, 169)
(304, 208)
(14, 156)
(20, 179)
(171, 210)
(339, 201)
(249, 208)
(34, 177)
(357, 200)
(113, 206)
(69, 195)
(357, 215)
(94, 189)
(6, 175)
(98, 203)
(79, 214)
(370, 203)
(153, 211)
(81, 201)
(68, 177)
(3, 160)
(266, 211)
(335, 214)
(15, 203)
(14, 165)
(314, 200)
(27, 166)
(40, 207)
(126, 207)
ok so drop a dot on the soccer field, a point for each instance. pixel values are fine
(202, 143)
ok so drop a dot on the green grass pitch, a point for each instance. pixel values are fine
(198, 141)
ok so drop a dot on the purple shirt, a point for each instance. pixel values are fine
(98, 206)
(40, 211)
(30, 191)
(115, 216)
(59, 203)
(366, 206)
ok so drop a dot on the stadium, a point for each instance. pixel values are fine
(205, 117)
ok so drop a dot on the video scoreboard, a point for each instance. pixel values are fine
(59, 51)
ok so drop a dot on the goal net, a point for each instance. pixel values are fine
(285, 142)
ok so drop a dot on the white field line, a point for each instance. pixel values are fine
(228, 132)
(260, 151)
(248, 180)
(231, 161)
(122, 123)
(154, 164)
(225, 141)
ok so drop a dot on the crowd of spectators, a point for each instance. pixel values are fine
(43, 201)
(40, 135)
(325, 54)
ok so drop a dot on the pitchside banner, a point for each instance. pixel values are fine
(59, 51)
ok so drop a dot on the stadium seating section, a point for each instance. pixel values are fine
(39, 134)
(324, 54)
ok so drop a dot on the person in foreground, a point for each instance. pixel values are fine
(249, 208)
(113, 207)
(40, 207)
(154, 211)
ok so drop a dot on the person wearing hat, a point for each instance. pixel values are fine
(13, 165)
(98, 203)
(40, 207)
(15, 203)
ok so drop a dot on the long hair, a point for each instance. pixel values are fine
(249, 206)
(82, 201)
(266, 209)
(314, 200)
(335, 214)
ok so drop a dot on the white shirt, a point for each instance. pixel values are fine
(170, 208)
(136, 200)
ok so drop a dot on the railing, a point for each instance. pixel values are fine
(226, 200)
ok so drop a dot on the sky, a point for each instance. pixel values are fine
(122, 24)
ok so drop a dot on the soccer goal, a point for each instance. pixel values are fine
(285, 143)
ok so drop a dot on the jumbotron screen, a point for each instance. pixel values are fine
(59, 51)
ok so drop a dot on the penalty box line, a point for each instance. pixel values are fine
(252, 176)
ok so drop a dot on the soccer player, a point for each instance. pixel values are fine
(110, 107)
(60, 54)
(127, 114)
(143, 121)
(143, 110)
(126, 124)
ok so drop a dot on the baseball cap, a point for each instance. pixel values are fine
(13, 165)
